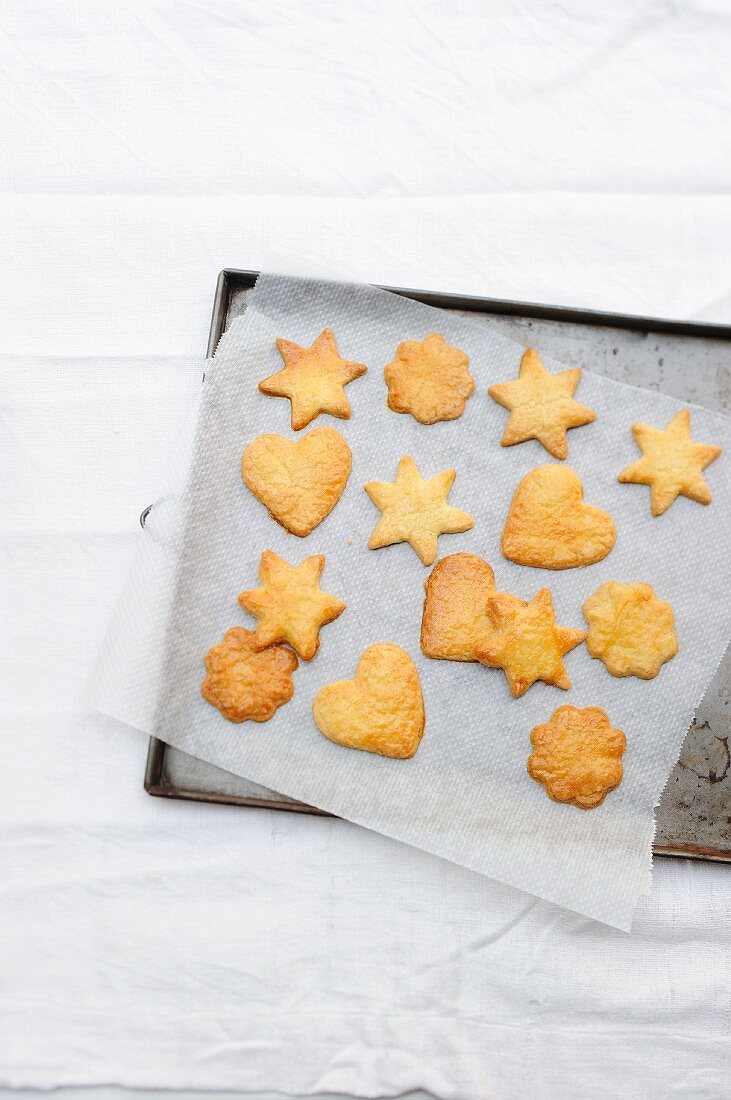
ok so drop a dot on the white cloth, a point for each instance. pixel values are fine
(572, 153)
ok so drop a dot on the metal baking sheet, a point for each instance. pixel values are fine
(689, 361)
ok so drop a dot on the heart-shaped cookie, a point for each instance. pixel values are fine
(454, 620)
(299, 481)
(550, 527)
(455, 623)
(381, 710)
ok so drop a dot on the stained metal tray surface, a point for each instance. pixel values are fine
(689, 361)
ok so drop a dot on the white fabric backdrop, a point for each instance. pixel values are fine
(572, 153)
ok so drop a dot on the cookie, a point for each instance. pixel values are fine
(630, 629)
(298, 481)
(429, 379)
(527, 643)
(577, 756)
(541, 405)
(454, 622)
(671, 463)
(313, 379)
(381, 710)
(247, 684)
(290, 605)
(550, 527)
(415, 510)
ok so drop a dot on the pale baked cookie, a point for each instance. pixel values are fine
(429, 379)
(313, 379)
(298, 481)
(550, 527)
(527, 643)
(381, 710)
(290, 605)
(246, 683)
(630, 629)
(577, 756)
(415, 510)
(455, 623)
(541, 405)
(671, 463)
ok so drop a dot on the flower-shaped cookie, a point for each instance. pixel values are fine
(541, 405)
(429, 379)
(630, 629)
(246, 683)
(577, 756)
(671, 463)
(415, 510)
(290, 605)
(313, 379)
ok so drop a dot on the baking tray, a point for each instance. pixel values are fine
(687, 360)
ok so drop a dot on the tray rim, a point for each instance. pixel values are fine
(230, 278)
(241, 277)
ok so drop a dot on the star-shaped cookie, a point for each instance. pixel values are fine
(541, 405)
(528, 643)
(313, 379)
(290, 605)
(415, 510)
(671, 463)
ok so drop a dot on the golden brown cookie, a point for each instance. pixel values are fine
(290, 605)
(577, 756)
(429, 379)
(671, 463)
(527, 643)
(550, 527)
(381, 710)
(455, 623)
(246, 683)
(415, 510)
(630, 629)
(313, 379)
(299, 481)
(541, 405)
(454, 620)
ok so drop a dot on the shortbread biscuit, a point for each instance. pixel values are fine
(455, 624)
(290, 605)
(671, 463)
(247, 684)
(299, 481)
(415, 510)
(550, 527)
(630, 629)
(429, 379)
(541, 405)
(313, 379)
(577, 756)
(381, 710)
(527, 643)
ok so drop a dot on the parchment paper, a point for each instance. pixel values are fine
(466, 795)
